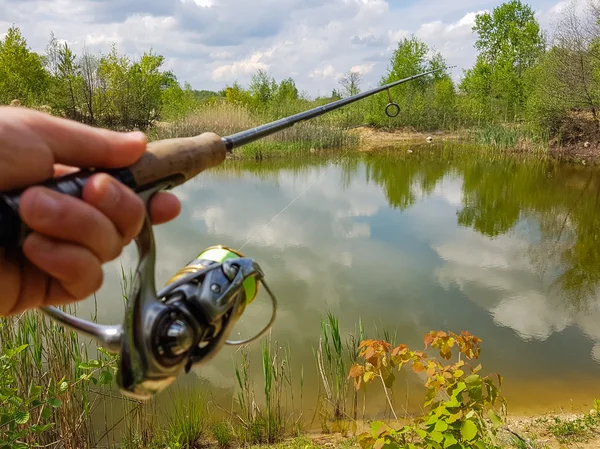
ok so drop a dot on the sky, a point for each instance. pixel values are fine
(212, 43)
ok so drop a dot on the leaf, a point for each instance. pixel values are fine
(377, 428)
(46, 413)
(15, 351)
(365, 441)
(421, 433)
(468, 430)
(64, 386)
(379, 443)
(41, 429)
(106, 378)
(418, 367)
(449, 440)
(473, 380)
(432, 420)
(369, 376)
(496, 420)
(453, 402)
(22, 417)
(54, 402)
(389, 380)
(428, 340)
(441, 426)
(455, 417)
(436, 436)
(34, 391)
(356, 370)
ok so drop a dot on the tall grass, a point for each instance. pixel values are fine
(226, 118)
(509, 137)
(332, 366)
(277, 417)
(56, 363)
(188, 421)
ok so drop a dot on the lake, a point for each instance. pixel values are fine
(443, 238)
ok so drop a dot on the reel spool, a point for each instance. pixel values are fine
(184, 324)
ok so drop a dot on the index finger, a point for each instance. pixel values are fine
(77, 144)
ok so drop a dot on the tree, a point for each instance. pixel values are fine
(262, 86)
(568, 78)
(286, 91)
(424, 102)
(510, 42)
(350, 83)
(22, 74)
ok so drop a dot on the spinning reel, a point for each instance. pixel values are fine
(183, 325)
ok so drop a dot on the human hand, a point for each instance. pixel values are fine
(71, 238)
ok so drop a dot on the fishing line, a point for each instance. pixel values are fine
(294, 200)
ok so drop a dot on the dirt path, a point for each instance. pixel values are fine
(373, 139)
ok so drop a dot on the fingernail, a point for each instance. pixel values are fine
(136, 136)
(110, 194)
(45, 202)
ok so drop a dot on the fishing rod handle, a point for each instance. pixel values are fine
(180, 159)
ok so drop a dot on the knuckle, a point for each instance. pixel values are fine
(89, 279)
(133, 218)
(42, 208)
(114, 250)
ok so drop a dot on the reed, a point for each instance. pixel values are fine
(332, 366)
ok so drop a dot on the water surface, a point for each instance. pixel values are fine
(444, 238)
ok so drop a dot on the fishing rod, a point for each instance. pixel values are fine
(190, 319)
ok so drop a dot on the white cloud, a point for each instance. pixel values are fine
(210, 43)
(326, 72)
(241, 68)
(362, 68)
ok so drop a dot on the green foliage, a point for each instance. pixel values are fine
(38, 401)
(510, 42)
(459, 403)
(577, 429)
(22, 74)
(426, 103)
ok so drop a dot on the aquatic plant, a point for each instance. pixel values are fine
(460, 404)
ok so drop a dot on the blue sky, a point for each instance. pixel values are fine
(211, 43)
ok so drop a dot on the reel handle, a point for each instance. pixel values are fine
(169, 159)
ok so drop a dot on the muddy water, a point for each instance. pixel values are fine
(446, 238)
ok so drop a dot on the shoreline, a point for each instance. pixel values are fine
(373, 139)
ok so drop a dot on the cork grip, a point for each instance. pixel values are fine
(187, 156)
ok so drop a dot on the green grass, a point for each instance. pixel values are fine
(188, 420)
(223, 433)
(509, 137)
(575, 430)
